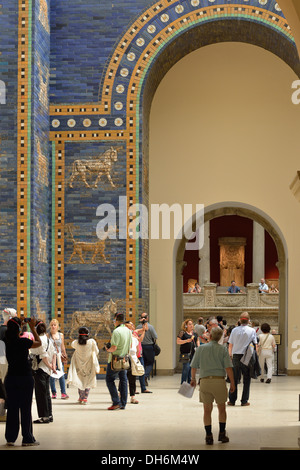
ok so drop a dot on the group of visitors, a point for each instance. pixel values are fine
(224, 354)
(32, 360)
(263, 288)
(29, 363)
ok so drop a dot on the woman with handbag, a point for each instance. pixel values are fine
(133, 352)
(266, 347)
(188, 341)
(57, 339)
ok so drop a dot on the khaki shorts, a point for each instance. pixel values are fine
(213, 389)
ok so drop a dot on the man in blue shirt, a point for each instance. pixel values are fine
(234, 289)
(213, 361)
(241, 336)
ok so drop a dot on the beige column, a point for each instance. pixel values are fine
(204, 258)
(258, 268)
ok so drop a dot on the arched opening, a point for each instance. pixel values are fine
(252, 214)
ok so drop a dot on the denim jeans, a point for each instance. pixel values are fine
(186, 372)
(142, 377)
(239, 370)
(110, 378)
(62, 384)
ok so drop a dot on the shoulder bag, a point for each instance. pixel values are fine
(137, 368)
(119, 363)
(156, 349)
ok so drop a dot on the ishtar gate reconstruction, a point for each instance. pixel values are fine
(128, 129)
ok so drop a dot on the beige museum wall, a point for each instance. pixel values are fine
(223, 128)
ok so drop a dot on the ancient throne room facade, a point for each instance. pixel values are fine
(106, 106)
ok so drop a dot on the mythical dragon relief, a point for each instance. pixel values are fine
(97, 248)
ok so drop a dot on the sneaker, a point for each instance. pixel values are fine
(64, 396)
(268, 381)
(10, 444)
(42, 421)
(27, 444)
(54, 395)
(84, 401)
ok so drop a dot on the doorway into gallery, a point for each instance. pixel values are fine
(233, 222)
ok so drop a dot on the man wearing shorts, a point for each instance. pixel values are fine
(213, 361)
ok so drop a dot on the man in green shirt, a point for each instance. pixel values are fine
(120, 346)
(213, 361)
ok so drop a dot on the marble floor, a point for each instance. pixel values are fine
(165, 420)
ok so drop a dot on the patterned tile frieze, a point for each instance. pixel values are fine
(150, 30)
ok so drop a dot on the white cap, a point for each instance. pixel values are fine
(11, 312)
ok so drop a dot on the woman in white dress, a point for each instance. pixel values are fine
(84, 364)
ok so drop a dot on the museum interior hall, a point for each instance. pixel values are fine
(128, 128)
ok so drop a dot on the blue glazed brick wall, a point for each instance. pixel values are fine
(40, 166)
(8, 154)
(83, 36)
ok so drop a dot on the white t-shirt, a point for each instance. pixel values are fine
(45, 350)
(133, 348)
(266, 341)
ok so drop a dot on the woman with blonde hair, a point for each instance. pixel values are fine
(188, 341)
(57, 339)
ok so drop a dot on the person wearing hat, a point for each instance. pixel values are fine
(240, 338)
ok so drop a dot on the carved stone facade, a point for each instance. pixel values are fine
(261, 307)
(232, 260)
